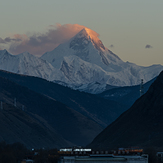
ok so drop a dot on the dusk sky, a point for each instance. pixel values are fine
(132, 29)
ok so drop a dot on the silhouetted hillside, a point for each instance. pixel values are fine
(98, 109)
(27, 128)
(141, 125)
(67, 122)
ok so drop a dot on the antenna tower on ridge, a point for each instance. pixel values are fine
(141, 88)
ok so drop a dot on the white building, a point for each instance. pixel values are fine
(105, 158)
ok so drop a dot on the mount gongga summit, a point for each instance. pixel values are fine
(82, 63)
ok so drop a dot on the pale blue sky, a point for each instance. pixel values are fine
(129, 25)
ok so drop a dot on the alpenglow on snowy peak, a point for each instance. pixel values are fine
(89, 66)
(82, 63)
(87, 46)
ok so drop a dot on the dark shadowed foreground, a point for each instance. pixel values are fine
(39, 121)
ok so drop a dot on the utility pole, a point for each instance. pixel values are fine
(141, 88)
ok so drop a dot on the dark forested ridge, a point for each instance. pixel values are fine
(47, 115)
(27, 128)
(126, 95)
(98, 109)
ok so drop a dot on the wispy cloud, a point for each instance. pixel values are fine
(111, 46)
(148, 46)
(39, 43)
(8, 40)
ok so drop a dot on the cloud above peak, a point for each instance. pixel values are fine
(8, 40)
(39, 43)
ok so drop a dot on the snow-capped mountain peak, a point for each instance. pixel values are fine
(84, 60)
(84, 37)
(4, 53)
(82, 63)
(26, 55)
(87, 46)
(27, 64)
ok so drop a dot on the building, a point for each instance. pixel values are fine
(104, 158)
(27, 161)
(88, 156)
(159, 157)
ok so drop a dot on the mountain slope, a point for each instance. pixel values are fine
(85, 45)
(98, 109)
(31, 130)
(27, 64)
(70, 124)
(126, 95)
(141, 125)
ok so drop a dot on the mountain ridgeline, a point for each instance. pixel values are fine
(82, 63)
(33, 131)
